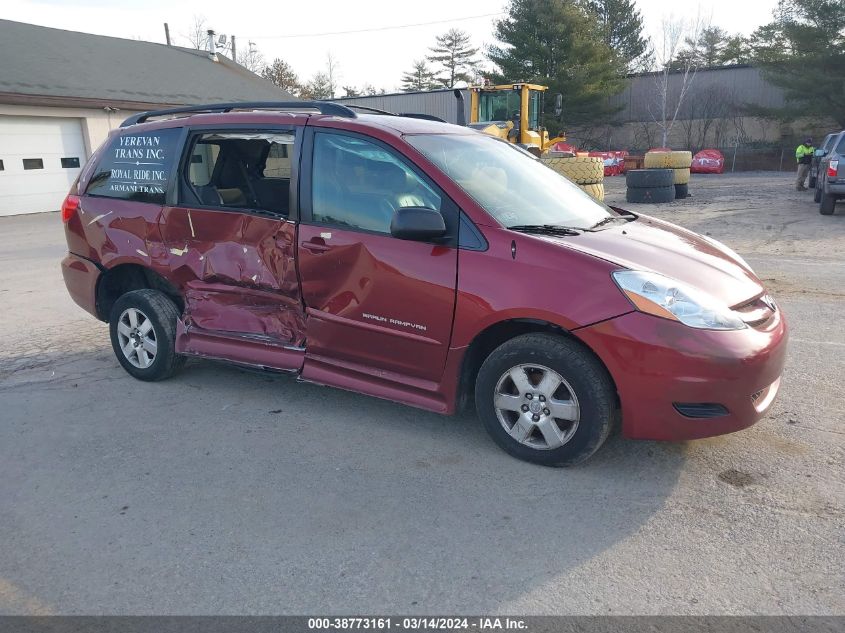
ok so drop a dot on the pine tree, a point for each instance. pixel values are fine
(281, 74)
(736, 51)
(419, 78)
(803, 52)
(621, 27)
(705, 50)
(455, 55)
(557, 43)
(319, 87)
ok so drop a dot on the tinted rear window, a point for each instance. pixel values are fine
(840, 147)
(136, 166)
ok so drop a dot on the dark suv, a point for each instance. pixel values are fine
(420, 262)
(821, 150)
(830, 183)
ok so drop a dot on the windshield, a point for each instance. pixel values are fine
(498, 105)
(513, 187)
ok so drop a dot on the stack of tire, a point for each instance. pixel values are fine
(650, 185)
(678, 161)
(585, 171)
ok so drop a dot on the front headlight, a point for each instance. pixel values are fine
(668, 298)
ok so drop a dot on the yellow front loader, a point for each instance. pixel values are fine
(513, 112)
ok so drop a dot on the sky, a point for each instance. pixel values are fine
(304, 33)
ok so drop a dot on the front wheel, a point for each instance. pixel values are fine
(545, 399)
(143, 334)
(811, 182)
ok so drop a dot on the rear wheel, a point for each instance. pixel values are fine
(827, 204)
(143, 334)
(545, 399)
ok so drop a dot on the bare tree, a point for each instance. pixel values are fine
(643, 136)
(705, 108)
(332, 74)
(197, 35)
(671, 87)
(252, 59)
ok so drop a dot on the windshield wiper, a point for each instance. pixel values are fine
(549, 229)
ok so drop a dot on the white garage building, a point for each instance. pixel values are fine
(62, 91)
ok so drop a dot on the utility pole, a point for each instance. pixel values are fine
(167, 33)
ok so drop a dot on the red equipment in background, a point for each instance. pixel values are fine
(614, 161)
(708, 161)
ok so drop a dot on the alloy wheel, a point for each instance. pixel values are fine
(536, 406)
(137, 338)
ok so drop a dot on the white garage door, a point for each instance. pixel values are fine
(39, 159)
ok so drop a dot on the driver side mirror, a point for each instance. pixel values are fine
(820, 152)
(417, 223)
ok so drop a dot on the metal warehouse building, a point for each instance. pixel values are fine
(440, 103)
(61, 92)
(717, 101)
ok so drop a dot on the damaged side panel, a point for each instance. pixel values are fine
(113, 232)
(237, 273)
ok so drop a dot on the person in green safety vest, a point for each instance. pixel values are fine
(804, 156)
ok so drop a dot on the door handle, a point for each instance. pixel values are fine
(315, 247)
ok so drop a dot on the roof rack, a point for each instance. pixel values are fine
(409, 115)
(355, 106)
(322, 107)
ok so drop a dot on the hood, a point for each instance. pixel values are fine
(654, 245)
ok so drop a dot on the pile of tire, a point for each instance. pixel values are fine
(650, 185)
(678, 161)
(585, 171)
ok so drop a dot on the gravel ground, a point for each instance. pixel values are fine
(224, 491)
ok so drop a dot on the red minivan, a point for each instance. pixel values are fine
(420, 262)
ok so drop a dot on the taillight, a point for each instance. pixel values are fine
(832, 168)
(69, 207)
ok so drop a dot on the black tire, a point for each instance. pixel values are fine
(817, 194)
(811, 183)
(681, 192)
(650, 194)
(585, 375)
(827, 204)
(162, 313)
(649, 178)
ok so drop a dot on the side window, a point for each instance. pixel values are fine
(240, 170)
(136, 166)
(359, 184)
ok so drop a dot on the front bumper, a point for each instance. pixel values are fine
(81, 277)
(657, 363)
